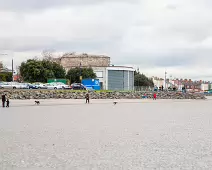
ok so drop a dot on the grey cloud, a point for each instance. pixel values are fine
(153, 34)
(20, 44)
(24, 44)
(172, 60)
(32, 5)
(176, 58)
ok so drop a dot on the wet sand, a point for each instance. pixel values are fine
(134, 134)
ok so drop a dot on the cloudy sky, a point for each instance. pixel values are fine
(153, 35)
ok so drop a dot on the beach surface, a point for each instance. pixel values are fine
(131, 135)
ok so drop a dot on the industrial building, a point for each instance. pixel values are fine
(115, 77)
(111, 77)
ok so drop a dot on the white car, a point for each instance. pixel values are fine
(10, 85)
(54, 86)
(64, 86)
(24, 85)
(40, 85)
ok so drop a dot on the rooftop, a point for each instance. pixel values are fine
(82, 55)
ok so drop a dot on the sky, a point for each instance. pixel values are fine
(152, 35)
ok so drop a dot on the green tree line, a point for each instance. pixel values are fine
(142, 80)
(34, 70)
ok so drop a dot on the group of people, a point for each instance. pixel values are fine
(154, 96)
(5, 100)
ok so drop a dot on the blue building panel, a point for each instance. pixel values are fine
(91, 83)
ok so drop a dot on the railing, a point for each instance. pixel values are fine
(143, 88)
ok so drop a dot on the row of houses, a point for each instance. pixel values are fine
(189, 84)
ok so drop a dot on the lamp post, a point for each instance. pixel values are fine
(12, 72)
(165, 78)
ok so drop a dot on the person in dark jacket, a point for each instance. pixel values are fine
(7, 101)
(3, 97)
(87, 98)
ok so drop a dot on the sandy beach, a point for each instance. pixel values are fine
(134, 134)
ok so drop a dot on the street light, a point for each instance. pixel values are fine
(165, 78)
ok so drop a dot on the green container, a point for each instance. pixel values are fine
(57, 80)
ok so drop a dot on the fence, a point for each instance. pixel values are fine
(143, 88)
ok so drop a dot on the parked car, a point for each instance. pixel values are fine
(24, 85)
(32, 86)
(64, 86)
(78, 86)
(10, 85)
(1, 85)
(40, 85)
(52, 86)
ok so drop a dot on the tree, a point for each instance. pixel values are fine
(74, 74)
(59, 71)
(34, 70)
(6, 76)
(142, 80)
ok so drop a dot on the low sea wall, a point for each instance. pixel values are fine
(69, 94)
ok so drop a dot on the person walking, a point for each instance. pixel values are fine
(3, 97)
(154, 96)
(7, 101)
(87, 98)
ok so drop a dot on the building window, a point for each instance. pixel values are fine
(99, 74)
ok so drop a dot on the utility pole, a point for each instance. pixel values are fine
(165, 78)
(12, 71)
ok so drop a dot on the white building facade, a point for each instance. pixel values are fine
(115, 77)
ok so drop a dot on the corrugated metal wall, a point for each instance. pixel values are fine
(131, 79)
(125, 73)
(119, 80)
